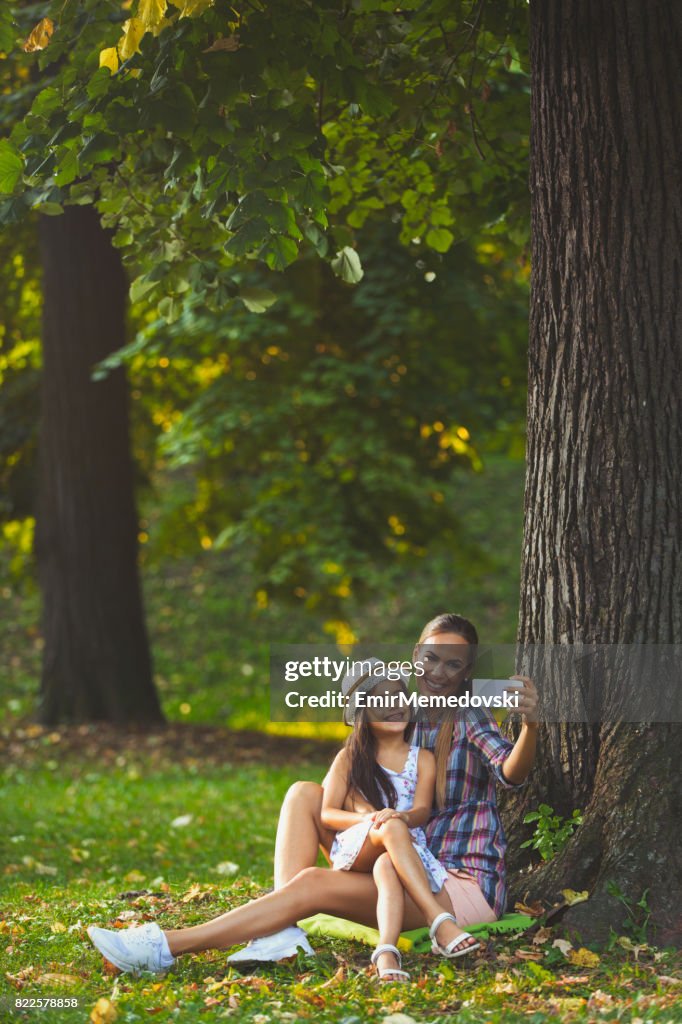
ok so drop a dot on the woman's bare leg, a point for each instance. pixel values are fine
(300, 832)
(343, 893)
(395, 838)
(390, 908)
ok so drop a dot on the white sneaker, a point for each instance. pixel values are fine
(134, 949)
(277, 946)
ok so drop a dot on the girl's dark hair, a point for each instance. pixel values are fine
(366, 774)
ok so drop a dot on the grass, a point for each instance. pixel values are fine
(90, 816)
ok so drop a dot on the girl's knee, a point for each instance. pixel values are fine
(304, 794)
(383, 868)
(395, 828)
(309, 877)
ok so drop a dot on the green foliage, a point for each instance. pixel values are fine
(321, 438)
(552, 832)
(240, 133)
(210, 640)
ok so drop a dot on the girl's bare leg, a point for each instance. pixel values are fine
(343, 893)
(390, 908)
(395, 838)
(300, 832)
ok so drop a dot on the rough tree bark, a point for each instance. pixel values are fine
(96, 661)
(602, 550)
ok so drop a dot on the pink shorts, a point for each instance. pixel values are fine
(469, 905)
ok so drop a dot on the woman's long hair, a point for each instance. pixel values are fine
(366, 774)
(448, 623)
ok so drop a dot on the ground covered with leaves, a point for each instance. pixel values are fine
(177, 826)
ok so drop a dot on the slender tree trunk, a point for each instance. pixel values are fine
(96, 662)
(602, 550)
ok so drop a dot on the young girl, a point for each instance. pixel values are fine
(377, 795)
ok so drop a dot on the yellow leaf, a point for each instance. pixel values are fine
(583, 957)
(103, 1012)
(572, 897)
(151, 12)
(134, 876)
(40, 36)
(189, 8)
(57, 927)
(58, 979)
(129, 43)
(109, 59)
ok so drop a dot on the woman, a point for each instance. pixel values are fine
(465, 833)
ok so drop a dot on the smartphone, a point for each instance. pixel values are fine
(490, 688)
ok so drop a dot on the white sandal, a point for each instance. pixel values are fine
(382, 973)
(452, 950)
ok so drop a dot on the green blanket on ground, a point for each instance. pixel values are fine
(417, 940)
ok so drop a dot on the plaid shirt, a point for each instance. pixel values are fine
(469, 833)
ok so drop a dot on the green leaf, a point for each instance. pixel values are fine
(439, 239)
(248, 237)
(139, 288)
(347, 265)
(100, 148)
(11, 167)
(169, 308)
(51, 209)
(279, 252)
(67, 168)
(315, 236)
(257, 300)
(46, 102)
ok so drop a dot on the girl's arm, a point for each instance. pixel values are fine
(335, 790)
(420, 811)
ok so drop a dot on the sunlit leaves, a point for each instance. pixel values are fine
(129, 43)
(192, 8)
(108, 58)
(347, 266)
(256, 299)
(326, 122)
(439, 239)
(11, 167)
(151, 12)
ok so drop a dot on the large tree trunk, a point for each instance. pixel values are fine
(96, 662)
(602, 551)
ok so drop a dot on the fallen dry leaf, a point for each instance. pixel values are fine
(528, 954)
(103, 1012)
(563, 944)
(542, 935)
(572, 897)
(535, 909)
(583, 957)
(19, 980)
(58, 979)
